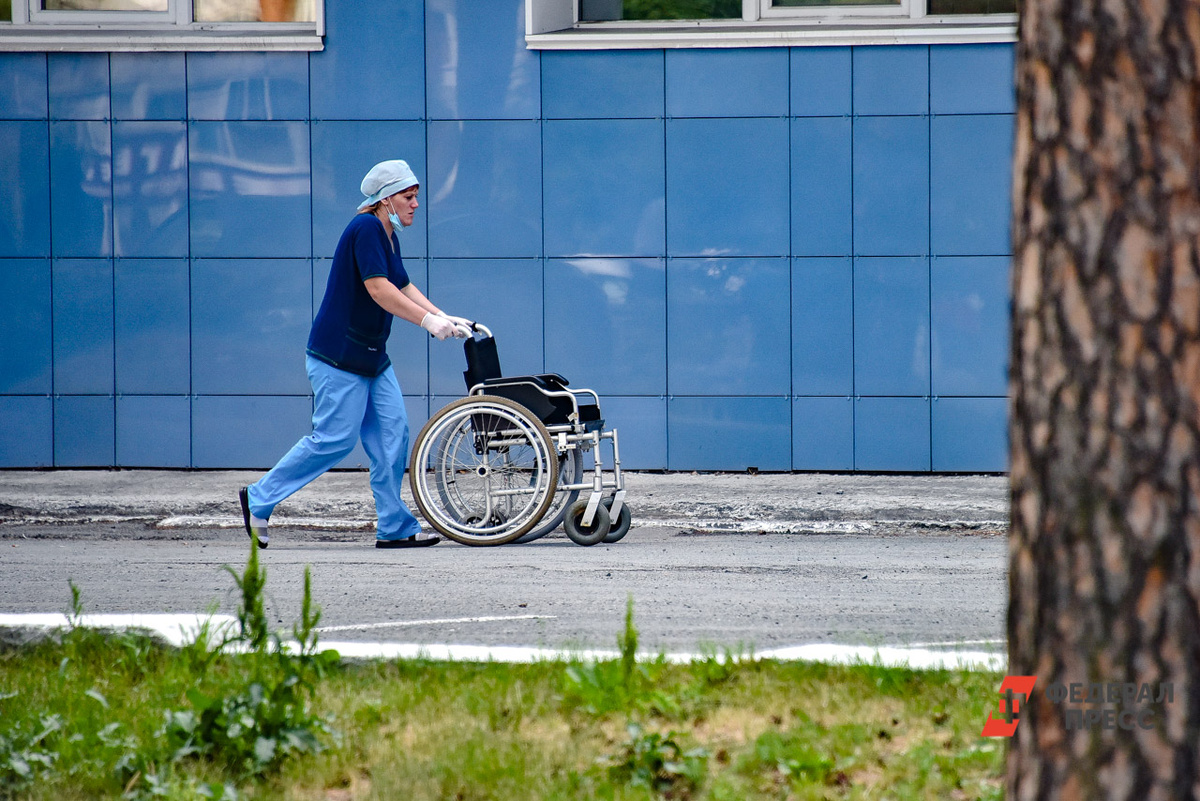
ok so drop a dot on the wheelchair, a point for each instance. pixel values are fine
(506, 463)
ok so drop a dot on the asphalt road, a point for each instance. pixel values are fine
(691, 589)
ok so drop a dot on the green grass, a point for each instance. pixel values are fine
(119, 716)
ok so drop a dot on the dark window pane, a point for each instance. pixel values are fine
(972, 7)
(600, 10)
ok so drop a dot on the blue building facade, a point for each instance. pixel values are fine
(785, 258)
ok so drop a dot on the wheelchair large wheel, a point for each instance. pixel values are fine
(484, 470)
(570, 471)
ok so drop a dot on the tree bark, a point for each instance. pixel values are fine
(1104, 570)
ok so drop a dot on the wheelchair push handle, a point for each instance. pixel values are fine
(475, 328)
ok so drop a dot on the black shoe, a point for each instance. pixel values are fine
(422, 540)
(262, 539)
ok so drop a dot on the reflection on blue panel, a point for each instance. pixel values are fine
(250, 324)
(727, 187)
(619, 345)
(249, 189)
(247, 432)
(81, 185)
(582, 84)
(23, 86)
(83, 326)
(150, 212)
(27, 436)
(152, 326)
(729, 433)
(25, 326)
(971, 204)
(822, 327)
(247, 86)
(821, 198)
(506, 296)
(728, 326)
(83, 431)
(891, 326)
(970, 325)
(484, 190)
(822, 434)
(970, 435)
(891, 434)
(972, 79)
(24, 189)
(820, 81)
(149, 86)
(891, 186)
(78, 85)
(342, 153)
(891, 79)
(727, 82)
(154, 431)
(641, 426)
(615, 211)
(372, 71)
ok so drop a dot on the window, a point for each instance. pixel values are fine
(618, 24)
(116, 25)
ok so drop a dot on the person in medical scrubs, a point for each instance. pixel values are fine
(355, 392)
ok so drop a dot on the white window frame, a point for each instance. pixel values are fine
(34, 29)
(555, 25)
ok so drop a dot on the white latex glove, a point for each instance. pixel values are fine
(459, 321)
(438, 325)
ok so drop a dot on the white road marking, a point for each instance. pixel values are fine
(395, 624)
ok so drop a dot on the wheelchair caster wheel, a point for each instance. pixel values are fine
(620, 527)
(586, 535)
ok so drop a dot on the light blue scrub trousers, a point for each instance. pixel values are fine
(347, 406)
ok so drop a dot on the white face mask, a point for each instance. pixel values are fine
(394, 219)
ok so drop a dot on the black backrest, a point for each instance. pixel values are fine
(483, 361)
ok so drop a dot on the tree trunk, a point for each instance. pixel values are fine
(1104, 571)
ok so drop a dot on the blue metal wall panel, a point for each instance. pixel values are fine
(477, 64)
(618, 343)
(342, 153)
(970, 435)
(972, 79)
(822, 433)
(79, 86)
(641, 425)
(487, 189)
(970, 184)
(373, 65)
(81, 189)
(822, 327)
(27, 436)
(152, 327)
(150, 199)
(727, 187)
(822, 196)
(25, 326)
(587, 84)
(729, 433)
(891, 80)
(735, 82)
(617, 209)
(247, 431)
(891, 326)
(506, 296)
(820, 81)
(247, 86)
(154, 431)
(83, 327)
(250, 324)
(891, 434)
(249, 189)
(84, 428)
(23, 87)
(891, 186)
(727, 326)
(149, 86)
(24, 189)
(970, 324)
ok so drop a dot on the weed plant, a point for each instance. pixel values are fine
(102, 716)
